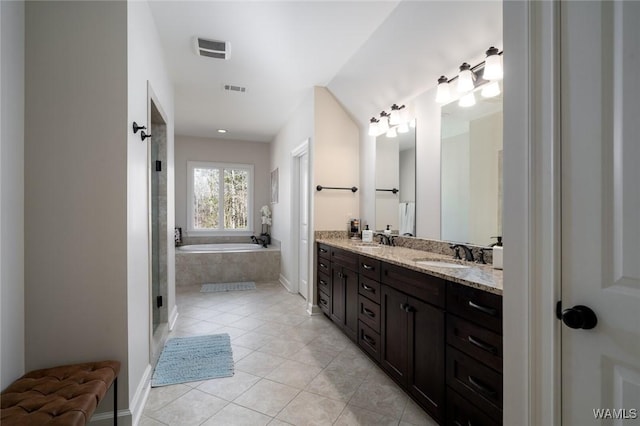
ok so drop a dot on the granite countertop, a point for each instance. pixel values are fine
(483, 277)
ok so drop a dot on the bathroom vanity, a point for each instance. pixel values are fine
(436, 331)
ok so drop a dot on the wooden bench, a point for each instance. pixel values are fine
(66, 395)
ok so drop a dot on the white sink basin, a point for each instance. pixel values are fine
(440, 264)
(367, 246)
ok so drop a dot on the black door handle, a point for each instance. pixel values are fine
(579, 317)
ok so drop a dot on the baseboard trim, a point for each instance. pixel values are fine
(106, 418)
(286, 283)
(313, 309)
(173, 317)
(142, 394)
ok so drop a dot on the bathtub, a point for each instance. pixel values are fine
(198, 264)
(224, 247)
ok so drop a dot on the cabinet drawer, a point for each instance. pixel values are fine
(476, 382)
(369, 313)
(324, 267)
(369, 267)
(344, 258)
(324, 282)
(369, 288)
(477, 306)
(369, 340)
(461, 412)
(480, 343)
(422, 286)
(324, 251)
(324, 302)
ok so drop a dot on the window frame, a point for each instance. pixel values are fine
(191, 230)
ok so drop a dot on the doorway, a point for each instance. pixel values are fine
(300, 218)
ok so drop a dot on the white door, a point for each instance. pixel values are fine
(303, 231)
(600, 99)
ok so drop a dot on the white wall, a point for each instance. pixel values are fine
(336, 163)
(190, 148)
(456, 185)
(299, 128)
(76, 184)
(145, 70)
(12, 362)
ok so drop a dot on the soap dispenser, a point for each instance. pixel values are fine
(367, 235)
(497, 253)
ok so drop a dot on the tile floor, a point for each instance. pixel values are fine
(290, 368)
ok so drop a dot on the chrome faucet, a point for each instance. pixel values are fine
(386, 240)
(468, 254)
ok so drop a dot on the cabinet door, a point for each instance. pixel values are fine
(351, 304)
(337, 295)
(426, 373)
(393, 333)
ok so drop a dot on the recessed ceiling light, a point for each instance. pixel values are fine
(222, 131)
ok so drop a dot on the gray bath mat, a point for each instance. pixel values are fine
(191, 359)
(212, 288)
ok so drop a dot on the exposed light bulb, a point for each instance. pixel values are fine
(373, 127)
(493, 65)
(490, 90)
(391, 133)
(467, 100)
(443, 95)
(465, 78)
(403, 127)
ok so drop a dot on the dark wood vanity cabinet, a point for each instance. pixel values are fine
(474, 356)
(441, 341)
(337, 283)
(412, 336)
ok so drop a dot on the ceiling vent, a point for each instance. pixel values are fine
(213, 48)
(232, 88)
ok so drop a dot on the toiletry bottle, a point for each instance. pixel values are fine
(497, 253)
(388, 230)
(367, 235)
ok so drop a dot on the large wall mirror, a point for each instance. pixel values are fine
(396, 182)
(471, 167)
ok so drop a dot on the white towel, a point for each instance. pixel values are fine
(407, 215)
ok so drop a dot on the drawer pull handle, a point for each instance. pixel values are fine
(324, 302)
(481, 388)
(368, 312)
(482, 345)
(340, 275)
(323, 282)
(368, 288)
(368, 339)
(368, 267)
(483, 309)
(322, 265)
(323, 250)
(407, 308)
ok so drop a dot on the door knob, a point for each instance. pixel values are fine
(579, 317)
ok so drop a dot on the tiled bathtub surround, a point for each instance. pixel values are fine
(187, 240)
(200, 268)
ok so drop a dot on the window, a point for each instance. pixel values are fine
(220, 198)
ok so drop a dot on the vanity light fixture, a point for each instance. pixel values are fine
(373, 126)
(466, 78)
(383, 124)
(443, 96)
(395, 117)
(467, 100)
(392, 133)
(490, 90)
(493, 65)
(403, 127)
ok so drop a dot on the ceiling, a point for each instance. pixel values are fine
(368, 53)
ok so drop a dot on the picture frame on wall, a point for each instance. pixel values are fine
(274, 186)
